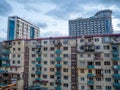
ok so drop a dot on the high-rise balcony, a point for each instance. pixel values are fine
(5, 58)
(58, 51)
(91, 82)
(115, 58)
(90, 66)
(38, 46)
(115, 52)
(90, 75)
(38, 72)
(58, 73)
(58, 88)
(38, 52)
(116, 67)
(38, 79)
(58, 58)
(3, 71)
(5, 65)
(58, 81)
(116, 76)
(38, 59)
(38, 65)
(6, 52)
(116, 85)
(58, 65)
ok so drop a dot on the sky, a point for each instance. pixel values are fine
(52, 16)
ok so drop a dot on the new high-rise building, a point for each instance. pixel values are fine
(100, 23)
(62, 63)
(19, 28)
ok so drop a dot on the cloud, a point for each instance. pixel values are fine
(42, 25)
(118, 25)
(5, 8)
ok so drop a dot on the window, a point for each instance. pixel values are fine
(97, 47)
(65, 84)
(89, 71)
(13, 49)
(33, 49)
(65, 62)
(32, 75)
(106, 39)
(97, 63)
(82, 79)
(107, 55)
(107, 71)
(98, 79)
(65, 77)
(98, 87)
(65, 69)
(52, 55)
(82, 87)
(13, 62)
(51, 83)
(106, 47)
(18, 43)
(18, 49)
(52, 62)
(51, 76)
(45, 55)
(108, 79)
(51, 69)
(13, 55)
(65, 55)
(18, 62)
(18, 55)
(108, 88)
(82, 70)
(96, 39)
(65, 48)
(45, 42)
(81, 55)
(45, 62)
(45, 69)
(33, 55)
(44, 76)
(45, 48)
(33, 68)
(81, 40)
(107, 63)
(33, 62)
(52, 48)
(89, 55)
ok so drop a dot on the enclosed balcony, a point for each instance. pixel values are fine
(91, 82)
(38, 72)
(58, 73)
(58, 88)
(5, 65)
(38, 65)
(38, 79)
(6, 52)
(58, 81)
(116, 85)
(58, 51)
(3, 71)
(58, 65)
(5, 58)
(115, 58)
(115, 52)
(58, 58)
(90, 75)
(116, 67)
(38, 59)
(116, 76)
(38, 46)
(90, 66)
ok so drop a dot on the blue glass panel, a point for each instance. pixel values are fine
(32, 32)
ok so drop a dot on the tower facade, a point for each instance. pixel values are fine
(100, 23)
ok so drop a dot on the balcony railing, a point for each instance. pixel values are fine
(116, 76)
(38, 65)
(58, 65)
(58, 88)
(115, 58)
(58, 58)
(38, 72)
(90, 75)
(90, 66)
(58, 51)
(38, 59)
(116, 85)
(116, 67)
(91, 82)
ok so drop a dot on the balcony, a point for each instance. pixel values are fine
(3, 71)
(38, 79)
(58, 58)
(98, 58)
(6, 52)
(58, 51)
(116, 85)
(38, 65)
(38, 72)
(38, 46)
(116, 76)
(5, 65)
(58, 88)
(58, 65)
(2, 84)
(91, 82)
(115, 58)
(116, 67)
(115, 52)
(38, 59)
(90, 66)
(5, 58)
(58, 81)
(58, 73)
(90, 75)
(38, 52)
